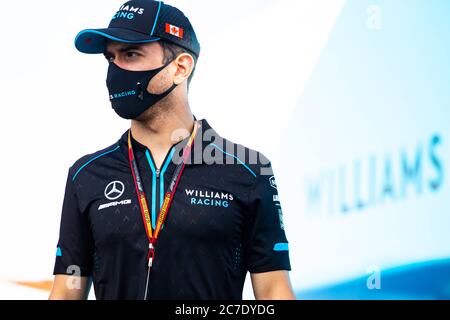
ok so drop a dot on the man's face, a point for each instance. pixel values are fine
(140, 57)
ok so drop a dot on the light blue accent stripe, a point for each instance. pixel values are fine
(152, 167)
(161, 175)
(100, 155)
(213, 144)
(156, 20)
(281, 246)
(58, 252)
(100, 50)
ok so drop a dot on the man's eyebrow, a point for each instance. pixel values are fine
(124, 49)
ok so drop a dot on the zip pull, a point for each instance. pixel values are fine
(157, 173)
(150, 257)
(151, 254)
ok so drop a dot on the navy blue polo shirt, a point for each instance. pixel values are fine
(225, 220)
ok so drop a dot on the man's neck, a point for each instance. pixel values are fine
(160, 133)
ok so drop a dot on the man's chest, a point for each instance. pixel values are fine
(205, 207)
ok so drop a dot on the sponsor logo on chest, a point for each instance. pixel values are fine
(209, 198)
(113, 191)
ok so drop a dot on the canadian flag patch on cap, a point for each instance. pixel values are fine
(174, 30)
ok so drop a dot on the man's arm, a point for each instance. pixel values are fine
(70, 288)
(75, 248)
(273, 285)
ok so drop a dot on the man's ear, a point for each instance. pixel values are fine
(185, 65)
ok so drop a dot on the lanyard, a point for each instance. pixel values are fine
(153, 236)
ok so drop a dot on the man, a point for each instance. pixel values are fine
(171, 210)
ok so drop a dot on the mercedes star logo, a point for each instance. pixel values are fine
(114, 190)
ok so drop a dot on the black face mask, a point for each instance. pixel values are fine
(128, 90)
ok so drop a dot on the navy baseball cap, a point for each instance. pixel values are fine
(141, 21)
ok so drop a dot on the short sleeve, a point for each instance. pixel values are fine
(265, 245)
(74, 252)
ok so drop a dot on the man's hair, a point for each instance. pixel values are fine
(171, 51)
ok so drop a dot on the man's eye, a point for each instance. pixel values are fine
(131, 54)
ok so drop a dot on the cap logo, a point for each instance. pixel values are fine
(128, 12)
(132, 9)
(174, 30)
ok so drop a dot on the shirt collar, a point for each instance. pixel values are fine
(199, 144)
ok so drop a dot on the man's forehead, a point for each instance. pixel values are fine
(112, 45)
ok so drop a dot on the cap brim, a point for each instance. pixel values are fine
(94, 40)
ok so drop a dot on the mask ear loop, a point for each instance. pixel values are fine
(143, 90)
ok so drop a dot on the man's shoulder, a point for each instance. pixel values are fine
(226, 151)
(83, 163)
(217, 148)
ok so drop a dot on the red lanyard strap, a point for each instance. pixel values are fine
(152, 237)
